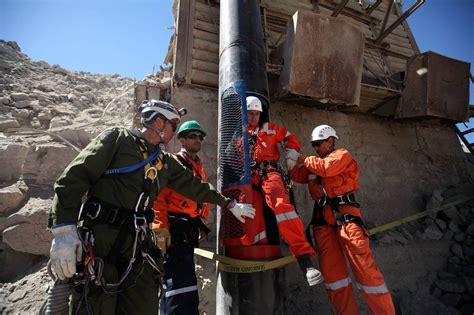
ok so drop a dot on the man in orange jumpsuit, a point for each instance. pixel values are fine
(178, 226)
(267, 174)
(337, 226)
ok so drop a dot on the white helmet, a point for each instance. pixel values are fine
(323, 132)
(253, 103)
(149, 109)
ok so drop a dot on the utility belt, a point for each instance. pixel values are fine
(128, 223)
(334, 203)
(265, 167)
(186, 229)
(95, 211)
(341, 200)
(265, 164)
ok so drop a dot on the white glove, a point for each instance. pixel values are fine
(314, 276)
(292, 154)
(240, 210)
(290, 164)
(66, 250)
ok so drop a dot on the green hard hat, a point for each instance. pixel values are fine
(190, 125)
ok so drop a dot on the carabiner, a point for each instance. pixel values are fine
(155, 173)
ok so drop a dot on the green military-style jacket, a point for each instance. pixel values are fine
(115, 148)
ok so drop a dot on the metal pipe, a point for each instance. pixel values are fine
(242, 65)
(403, 17)
(241, 51)
(339, 8)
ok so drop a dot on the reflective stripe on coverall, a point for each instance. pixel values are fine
(273, 188)
(339, 172)
(180, 293)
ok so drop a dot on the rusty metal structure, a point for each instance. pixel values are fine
(387, 46)
(435, 86)
(322, 60)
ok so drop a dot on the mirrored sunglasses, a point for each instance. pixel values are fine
(195, 136)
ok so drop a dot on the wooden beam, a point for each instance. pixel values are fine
(387, 15)
(358, 16)
(199, 54)
(402, 18)
(386, 51)
(189, 49)
(411, 38)
(206, 45)
(205, 78)
(204, 26)
(210, 37)
(182, 36)
(205, 66)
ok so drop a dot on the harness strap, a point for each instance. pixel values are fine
(265, 167)
(184, 228)
(134, 167)
(186, 163)
(95, 210)
(346, 199)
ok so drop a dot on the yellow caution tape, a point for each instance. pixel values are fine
(414, 217)
(234, 265)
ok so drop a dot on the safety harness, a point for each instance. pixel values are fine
(186, 163)
(265, 167)
(340, 200)
(183, 227)
(95, 211)
(341, 219)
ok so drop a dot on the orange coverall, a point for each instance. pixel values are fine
(169, 200)
(338, 173)
(266, 138)
(180, 291)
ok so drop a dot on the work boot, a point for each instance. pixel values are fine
(313, 275)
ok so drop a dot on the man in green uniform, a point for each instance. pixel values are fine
(120, 173)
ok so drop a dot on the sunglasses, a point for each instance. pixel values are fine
(317, 144)
(195, 136)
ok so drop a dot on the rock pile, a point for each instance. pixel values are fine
(454, 285)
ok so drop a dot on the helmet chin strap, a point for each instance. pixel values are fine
(160, 133)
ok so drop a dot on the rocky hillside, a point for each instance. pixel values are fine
(47, 114)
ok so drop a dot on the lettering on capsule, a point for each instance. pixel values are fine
(245, 268)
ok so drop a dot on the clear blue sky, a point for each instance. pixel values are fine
(129, 36)
(100, 36)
